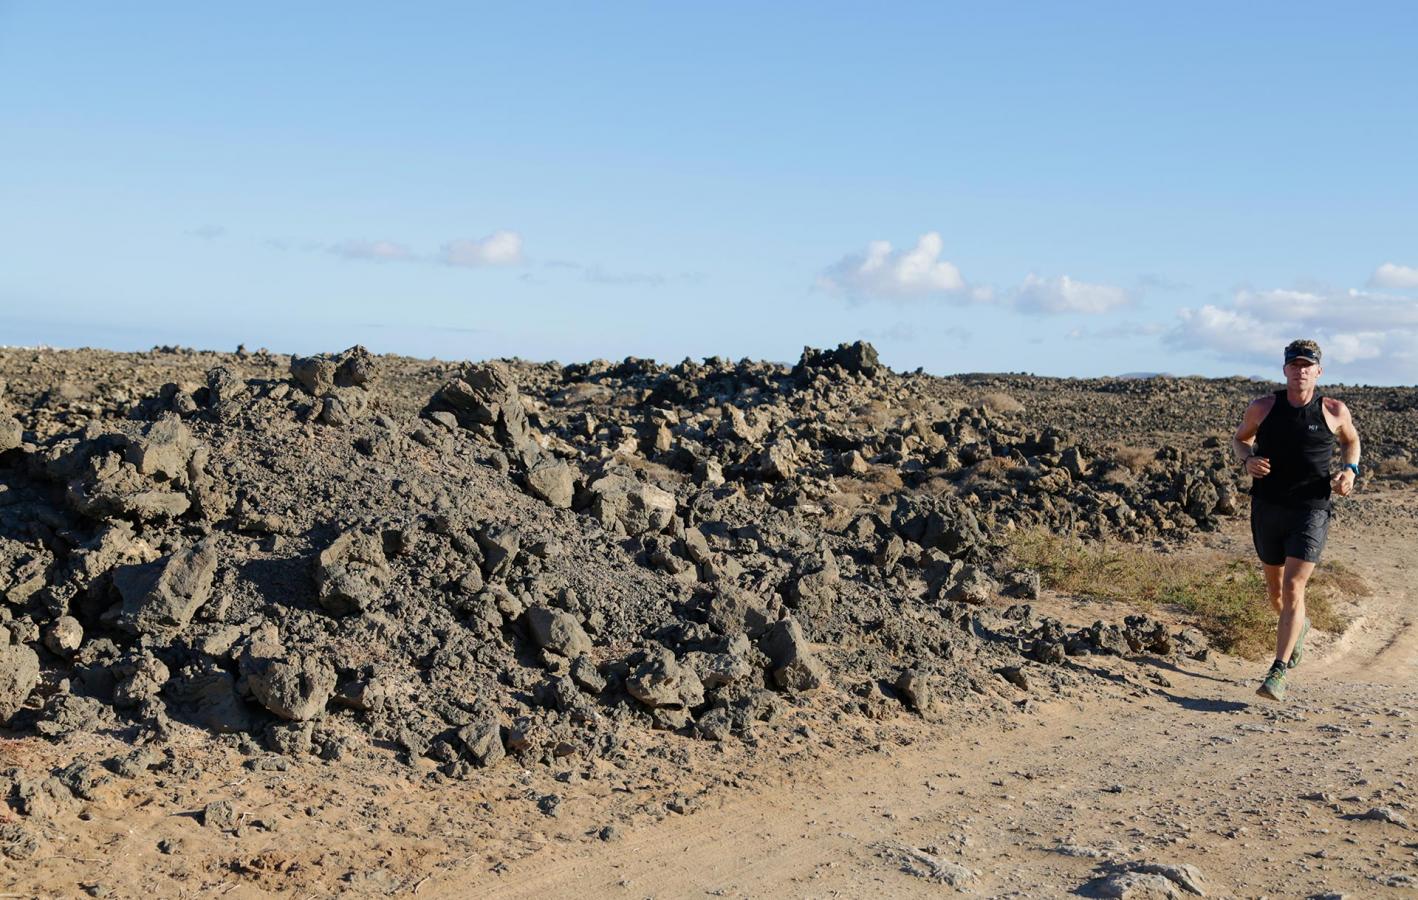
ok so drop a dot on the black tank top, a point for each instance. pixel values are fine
(1300, 446)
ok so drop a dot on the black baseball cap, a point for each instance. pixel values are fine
(1303, 350)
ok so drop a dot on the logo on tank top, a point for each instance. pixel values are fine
(1314, 428)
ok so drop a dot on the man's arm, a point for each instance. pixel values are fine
(1244, 440)
(1348, 437)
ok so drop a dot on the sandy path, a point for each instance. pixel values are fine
(1260, 797)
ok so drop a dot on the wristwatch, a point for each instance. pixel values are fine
(1353, 467)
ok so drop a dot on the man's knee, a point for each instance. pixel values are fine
(1292, 590)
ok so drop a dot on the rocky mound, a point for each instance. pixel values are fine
(347, 554)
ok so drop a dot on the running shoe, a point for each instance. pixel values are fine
(1274, 685)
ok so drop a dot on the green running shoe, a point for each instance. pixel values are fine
(1274, 685)
(1299, 652)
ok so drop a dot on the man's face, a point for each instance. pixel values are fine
(1302, 373)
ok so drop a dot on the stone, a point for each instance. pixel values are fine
(1384, 814)
(314, 374)
(794, 666)
(852, 463)
(352, 573)
(69, 714)
(586, 676)
(1188, 877)
(858, 357)
(164, 449)
(221, 815)
(63, 636)
(19, 673)
(709, 473)
(1133, 886)
(815, 590)
(632, 506)
(161, 597)
(292, 687)
(915, 686)
(499, 545)
(486, 397)
(917, 862)
(970, 585)
(12, 435)
(660, 681)
(483, 742)
(138, 677)
(289, 738)
(557, 631)
(553, 482)
(733, 610)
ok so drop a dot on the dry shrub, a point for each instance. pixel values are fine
(1000, 402)
(1134, 459)
(874, 415)
(1399, 467)
(1224, 597)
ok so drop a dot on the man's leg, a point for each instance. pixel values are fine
(1294, 578)
(1273, 586)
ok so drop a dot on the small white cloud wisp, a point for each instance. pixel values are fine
(501, 248)
(378, 251)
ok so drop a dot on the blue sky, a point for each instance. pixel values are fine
(1067, 189)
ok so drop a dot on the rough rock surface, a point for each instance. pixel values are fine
(449, 562)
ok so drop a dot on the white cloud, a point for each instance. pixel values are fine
(1364, 335)
(884, 272)
(1392, 275)
(378, 251)
(501, 248)
(1332, 310)
(1228, 333)
(1065, 295)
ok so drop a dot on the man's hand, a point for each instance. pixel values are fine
(1259, 467)
(1343, 482)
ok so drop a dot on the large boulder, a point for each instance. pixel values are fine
(161, 597)
(486, 401)
(19, 673)
(858, 357)
(633, 506)
(319, 375)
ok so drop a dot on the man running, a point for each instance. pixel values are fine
(1286, 443)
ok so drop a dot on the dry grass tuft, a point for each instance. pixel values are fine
(1000, 402)
(1134, 459)
(1397, 467)
(1224, 597)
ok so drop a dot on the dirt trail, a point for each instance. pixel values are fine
(1264, 799)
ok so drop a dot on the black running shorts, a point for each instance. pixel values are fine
(1284, 531)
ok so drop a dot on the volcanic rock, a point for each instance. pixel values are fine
(162, 596)
(794, 666)
(19, 673)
